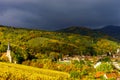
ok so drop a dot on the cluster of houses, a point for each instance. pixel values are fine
(97, 62)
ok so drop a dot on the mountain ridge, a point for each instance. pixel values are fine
(82, 30)
(109, 30)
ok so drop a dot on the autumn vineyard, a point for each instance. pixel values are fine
(21, 72)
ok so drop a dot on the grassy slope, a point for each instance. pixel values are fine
(21, 72)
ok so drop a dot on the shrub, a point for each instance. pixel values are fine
(105, 67)
(75, 74)
(106, 59)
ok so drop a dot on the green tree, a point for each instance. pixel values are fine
(105, 46)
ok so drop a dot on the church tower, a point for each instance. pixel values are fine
(8, 53)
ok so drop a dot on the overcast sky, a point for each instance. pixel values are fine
(56, 14)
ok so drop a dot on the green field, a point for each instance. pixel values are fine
(10, 71)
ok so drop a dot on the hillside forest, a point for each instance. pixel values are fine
(47, 49)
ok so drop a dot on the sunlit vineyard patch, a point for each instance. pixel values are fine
(20, 72)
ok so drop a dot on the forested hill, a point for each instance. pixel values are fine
(85, 32)
(111, 30)
(28, 44)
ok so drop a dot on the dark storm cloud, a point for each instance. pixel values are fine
(54, 14)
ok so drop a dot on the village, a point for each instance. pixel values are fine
(114, 60)
(96, 61)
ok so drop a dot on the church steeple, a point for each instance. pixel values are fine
(8, 53)
(8, 46)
